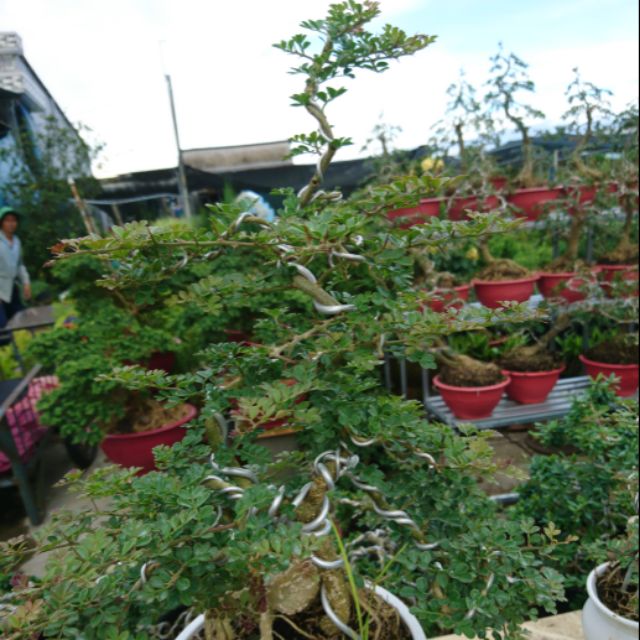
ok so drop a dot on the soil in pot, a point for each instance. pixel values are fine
(624, 602)
(614, 352)
(467, 372)
(499, 270)
(529, 362)
(386, 622)
(312, 622)
(147, 414)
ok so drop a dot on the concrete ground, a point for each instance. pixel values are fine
(13, 520)
(567, 626)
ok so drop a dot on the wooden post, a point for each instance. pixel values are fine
(116, 214)
(82, 207)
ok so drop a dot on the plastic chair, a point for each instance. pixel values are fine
(22, 439)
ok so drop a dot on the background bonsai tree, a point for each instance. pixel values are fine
(587, 105)
(465, 126)
(339, 277)
(510, 78)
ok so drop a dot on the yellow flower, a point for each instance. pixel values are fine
(472, 254)
(432, 164)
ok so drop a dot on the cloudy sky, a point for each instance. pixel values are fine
(103, 63)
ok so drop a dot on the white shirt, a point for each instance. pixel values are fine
(11, 267)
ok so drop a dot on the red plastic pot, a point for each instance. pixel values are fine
(499, 182)
(531, 387)
(449, 298)
(162, 360)
(428, 208)
(494, 294)
(627, 374)
(471, 403)
(530, 203)
(459, 206)
(611, 272)
(583, 194)
(136, 449)
(565, 285)
(627, 274)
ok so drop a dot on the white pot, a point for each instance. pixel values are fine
(599, 622)
(407, 617)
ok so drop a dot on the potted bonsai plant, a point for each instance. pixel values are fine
(509, 77)
(616, 357)
(223, 536)
(612, 608)
(502, 280)
(89, 410)
(584, 483)
(534, 370)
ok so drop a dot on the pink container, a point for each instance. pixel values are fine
(494, 294)
(531, 387)
(136, 449)
(459, 206)
(565, 285)
(530, 203)
(627, 374)
(428, 208)
(449, 298)
(471, 403)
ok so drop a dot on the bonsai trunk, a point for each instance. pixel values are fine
(583, 169)
(625, 251)
(538, 355)
(566, 262)
(464, 371)
(498, 269)
(460, 138)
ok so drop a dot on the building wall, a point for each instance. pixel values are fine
(25, 103)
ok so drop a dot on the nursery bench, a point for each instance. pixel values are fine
(509, 413)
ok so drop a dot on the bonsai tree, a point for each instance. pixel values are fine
(510, 78)
(223, 535)
(587, 103)
(584, 487)
(625, 171)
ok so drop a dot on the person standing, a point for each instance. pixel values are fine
(13, 273)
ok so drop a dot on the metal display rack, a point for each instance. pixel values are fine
(509, 413)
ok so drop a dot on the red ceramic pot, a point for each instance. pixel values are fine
(565, 285)
(237, 335)
(494, 294)
(611, 272)
(499, 183)
(162, 360)
(471, 403)
(619, 273)
(449, 298)
(531, 387)
(530, 203)
(459, 206)
(136, 449)
(582, 194)
(428, 208)
(626, 373)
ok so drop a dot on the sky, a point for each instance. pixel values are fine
(104, 63)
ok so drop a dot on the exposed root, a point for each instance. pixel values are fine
(463, 371)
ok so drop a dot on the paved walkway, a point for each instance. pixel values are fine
(567, 626)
